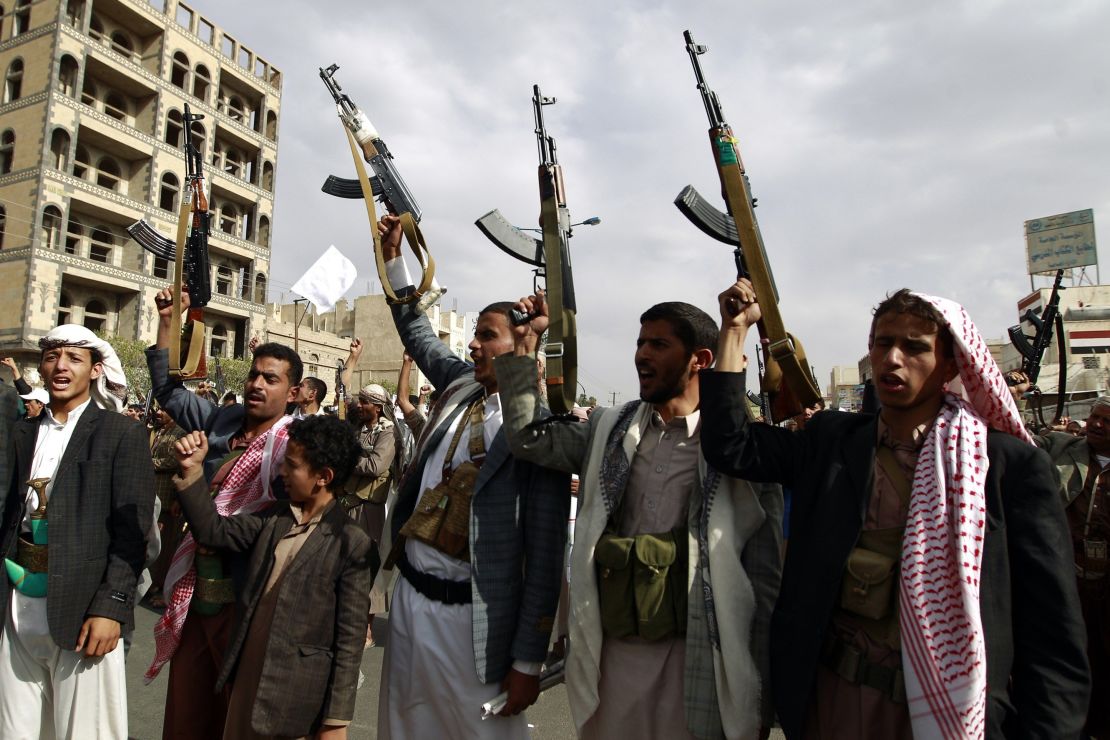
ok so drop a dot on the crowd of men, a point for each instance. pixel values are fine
(945, 574)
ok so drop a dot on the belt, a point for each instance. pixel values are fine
(32, 557)
(434, 588)
(214, 590)
(850, 664)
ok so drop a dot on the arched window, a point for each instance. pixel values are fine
(3, 225)
(88, 92)
(233, 163)
(313, 362)
(75, 12)
(51, 237)
(271, 125)
(67, 76)
(7, 151)
(81, 162)
(179, 71)
(101, 243)
(167, 193)
(229, 219)
(174, 126)
(268, 177)
(13, 81)
(197, 136)
(96, 315)
(75, 234)
(218, 347)
(236, 109)
(109, 174)
(22, 15)
(202, 81)
(96, 28)
(59, 149)
(264, 231)
(122, 44)
(115, 105)
(260, 288)
(223, 280)
(64, 310)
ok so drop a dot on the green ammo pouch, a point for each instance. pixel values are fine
(613, 557)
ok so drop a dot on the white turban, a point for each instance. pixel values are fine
(109, 391)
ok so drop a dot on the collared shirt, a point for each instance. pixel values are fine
(50, 445)
(663, 473)
(290, 544)
(885, 508)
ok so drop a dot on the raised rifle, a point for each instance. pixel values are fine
(551, 257)
(340, 389)
(786, 380)
(191, 268)
(1032, 348)
(386, 185)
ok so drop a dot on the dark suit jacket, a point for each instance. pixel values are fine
(100, 511)
(518, 518)
(1038, 682)
(316, 638)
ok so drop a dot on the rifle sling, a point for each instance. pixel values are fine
(562, 337)
(782, 347)
(177, 369)
(409, 227)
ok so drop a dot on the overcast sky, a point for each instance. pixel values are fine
(889, 145)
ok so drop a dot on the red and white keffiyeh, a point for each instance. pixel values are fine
(943, 651)
(245, 490)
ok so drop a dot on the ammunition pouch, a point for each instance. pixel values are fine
(642, 584)
(441, 518)
(867, 589)
(374, 490)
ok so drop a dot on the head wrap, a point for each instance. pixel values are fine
(109, 391)
(943, 650)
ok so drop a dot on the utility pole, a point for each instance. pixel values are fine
(297, 323)
(613, 396)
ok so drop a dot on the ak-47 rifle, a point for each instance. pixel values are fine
(551, 257)
(388, 186)
(1032, 349)
(340, 389)
(191, 270)
(787, 380)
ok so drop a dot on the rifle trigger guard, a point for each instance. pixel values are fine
(782, 348)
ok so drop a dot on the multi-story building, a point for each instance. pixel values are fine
(845, 390)
(91, 140)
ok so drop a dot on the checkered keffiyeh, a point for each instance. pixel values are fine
(943, 651)
(245, 490)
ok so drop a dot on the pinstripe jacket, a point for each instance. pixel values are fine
(100, 510)
(518, 517)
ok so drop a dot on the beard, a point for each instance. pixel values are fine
(666, 387)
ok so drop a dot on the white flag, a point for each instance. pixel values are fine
(327, 280)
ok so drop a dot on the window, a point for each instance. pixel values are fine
(260, 288)
(218, 347)
(3, 225)
(64, 304)
(75, 234)
(88, 92)
(100, 245)
(197, 136)
(235, 108)
(167, 194)
(233, 163)
(202, 80)
(229, 219)
(313, 362)
(271, 125)
(122, 44)
(22, 15)
(67, 76)
(13, 81)
(7, 151)
(184, 17)
(75, 13)
(179, 71)
(116, 106)
(161, 268)
(264, 231)
(81, 162)
(96, 315)
(175, 124)
(51, 228)
(109, 175)
(223, 280)
(1090, 362)
(59, 149)
(268, 177)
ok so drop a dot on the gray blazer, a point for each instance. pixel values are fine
(518, 518)
(311, 669)
(100, 510)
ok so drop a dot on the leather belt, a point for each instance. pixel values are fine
(433, 587)
(32, 557)
(850, 664)
(214, 590)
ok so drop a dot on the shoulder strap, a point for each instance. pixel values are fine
(898, 478)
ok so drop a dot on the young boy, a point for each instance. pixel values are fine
(300, 621)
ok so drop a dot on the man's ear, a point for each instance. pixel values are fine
(96, 371)
(325, 476)
(702, 359)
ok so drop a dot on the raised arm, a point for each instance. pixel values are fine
(403, 402)
(349, 367)
(190, 411)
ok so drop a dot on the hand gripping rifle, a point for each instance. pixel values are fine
(787, 380)
(386, 185)
(551, 256)
(340, 390)
(1032, 349)
(191, 270)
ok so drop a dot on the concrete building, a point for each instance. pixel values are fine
(844, 388)
(325, 338)
(91, 141)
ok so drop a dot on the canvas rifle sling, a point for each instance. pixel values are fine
(177, 369)
(409, 227)
(781, 346)
(562, 337)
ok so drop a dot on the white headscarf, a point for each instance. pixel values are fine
(109, 391)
